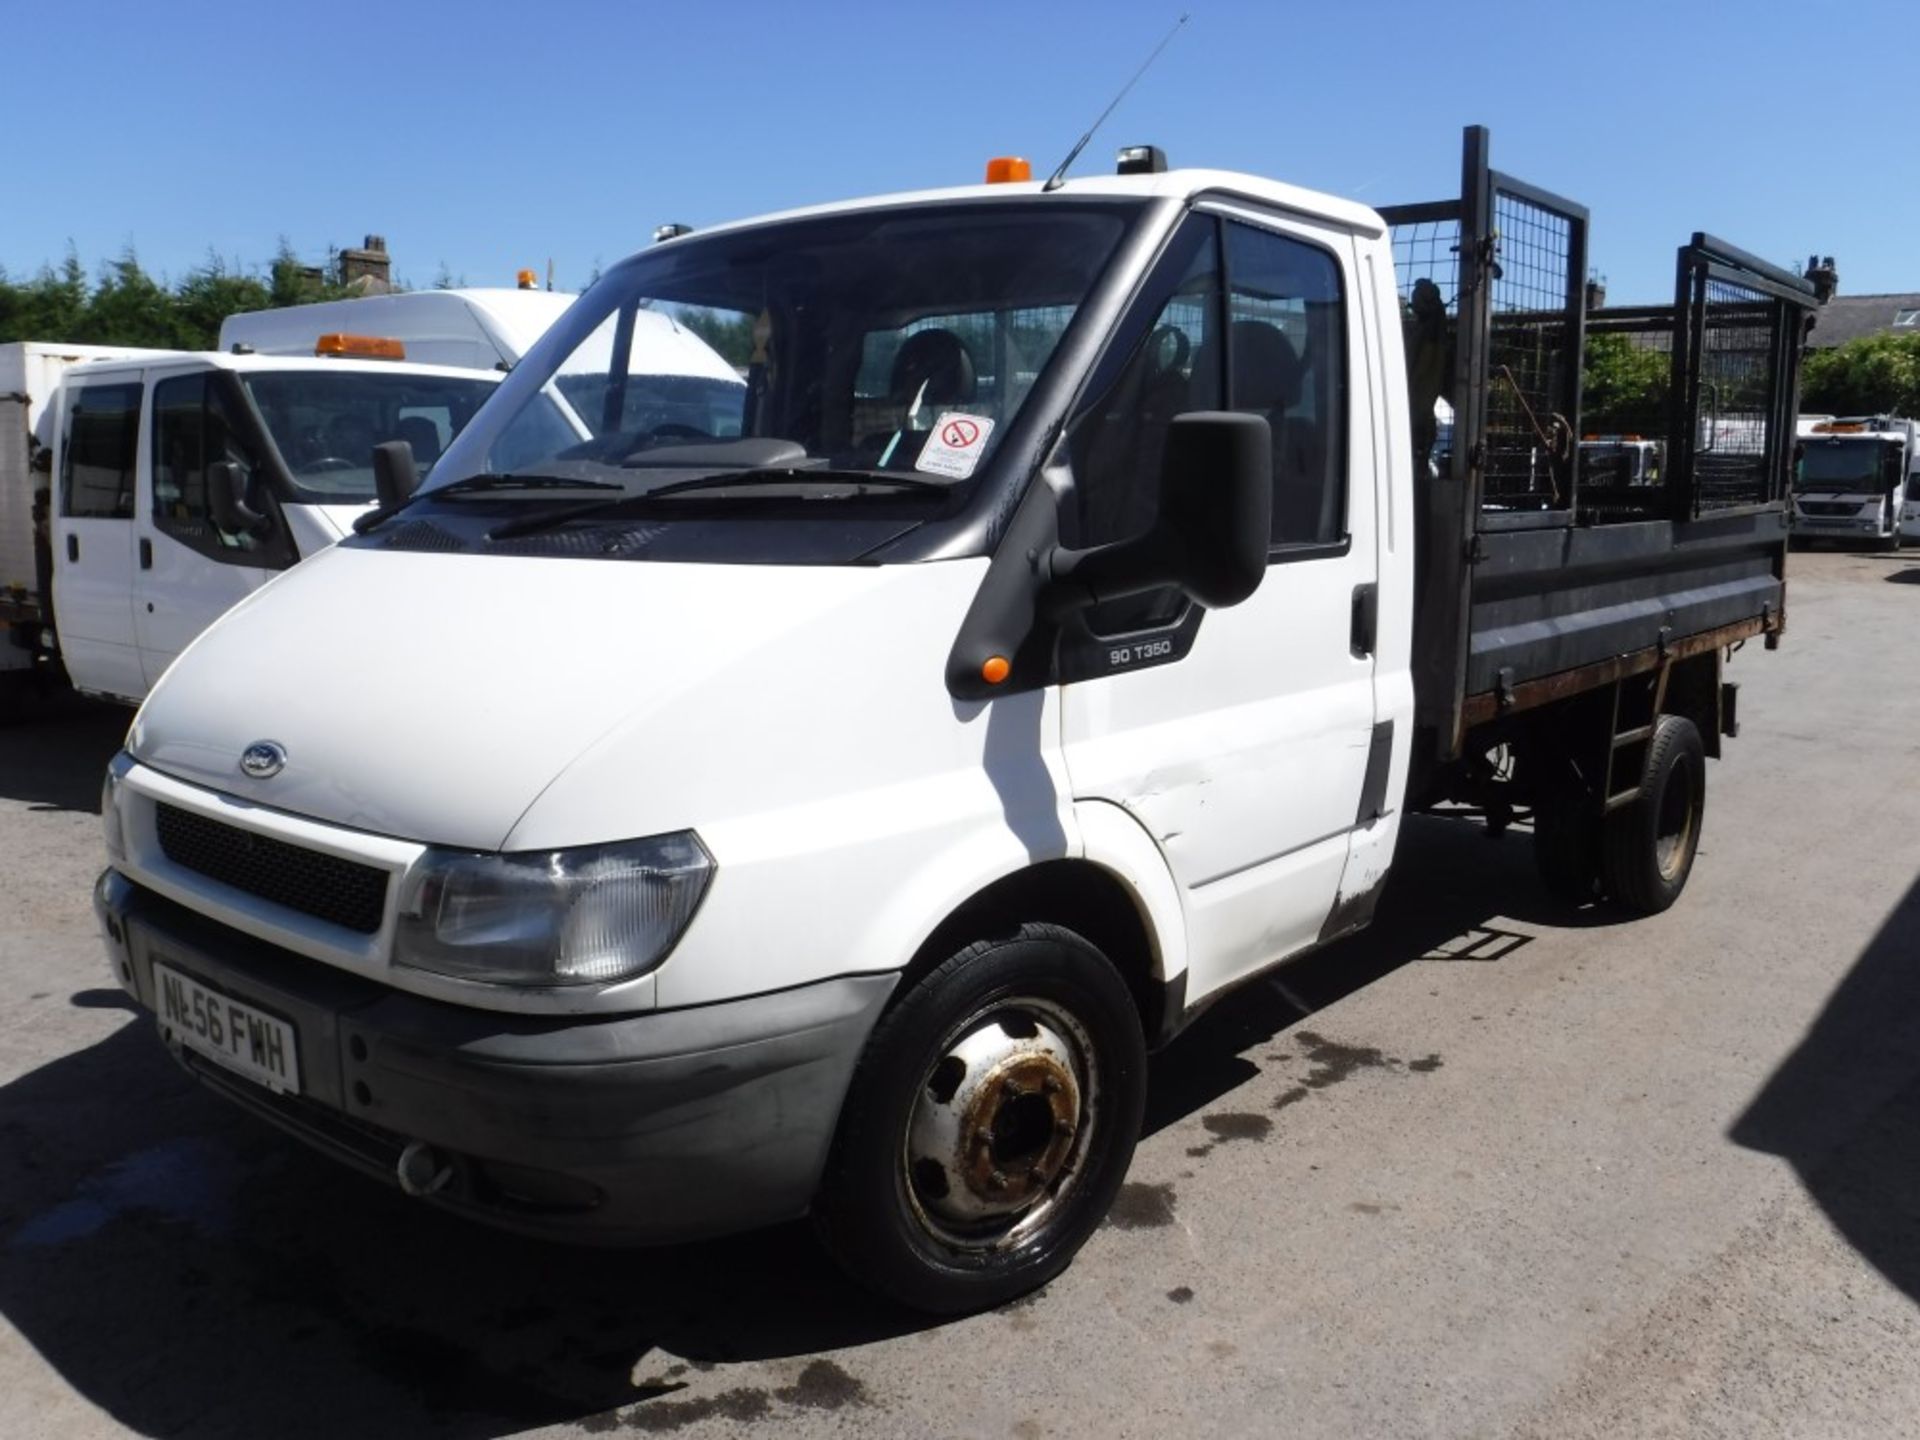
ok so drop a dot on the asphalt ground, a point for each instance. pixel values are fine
(1491, 1169)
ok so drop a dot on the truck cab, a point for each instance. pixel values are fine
(148, 550)
(1853, 478)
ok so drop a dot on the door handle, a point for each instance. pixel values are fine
(73, 547)
(1366, 620)
(146, 553)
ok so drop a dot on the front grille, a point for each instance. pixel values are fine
(1826, 508)
(340, 892)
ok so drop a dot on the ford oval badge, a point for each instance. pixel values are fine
(263, 759)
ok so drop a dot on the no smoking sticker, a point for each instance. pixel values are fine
(954, 445)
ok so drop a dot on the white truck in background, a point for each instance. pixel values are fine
(479, 329)
(144, 492)
(1858, 478)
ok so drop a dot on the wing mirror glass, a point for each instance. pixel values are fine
(230, 500)
(1209, 537)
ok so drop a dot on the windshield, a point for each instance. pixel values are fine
(326, 423)
(893, 340)
(1844, 464)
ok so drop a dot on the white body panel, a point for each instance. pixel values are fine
(476, 329)
(859, 841)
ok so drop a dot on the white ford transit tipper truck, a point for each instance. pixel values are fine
(696, 826)
(144, 492)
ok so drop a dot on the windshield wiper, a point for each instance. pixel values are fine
(477, 484)
(793, 475)
(732, 479)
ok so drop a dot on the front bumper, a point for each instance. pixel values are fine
(625, 1129)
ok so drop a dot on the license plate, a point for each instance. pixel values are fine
(228, 1032)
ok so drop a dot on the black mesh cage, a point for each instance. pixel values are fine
(1532, 389)
(1736, 430)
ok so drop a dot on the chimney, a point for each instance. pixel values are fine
(368, 269)
(1596, 290)
(1823, 277)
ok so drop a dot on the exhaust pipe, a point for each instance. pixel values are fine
(422, 1170)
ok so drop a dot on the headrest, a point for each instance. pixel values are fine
(1266, 371)
(939, 360)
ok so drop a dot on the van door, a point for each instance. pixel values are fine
(1238, 738)
(93, 537)
(190, 572)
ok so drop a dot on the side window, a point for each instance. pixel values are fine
(1288, 361)
(97, 465)
(1173, 367)
(190, 433)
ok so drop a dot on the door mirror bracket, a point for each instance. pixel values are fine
(229, 498)
(1209, 539)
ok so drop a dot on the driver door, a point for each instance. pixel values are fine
(1238, 738)
(189, 572)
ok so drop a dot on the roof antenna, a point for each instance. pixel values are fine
(1059, 177)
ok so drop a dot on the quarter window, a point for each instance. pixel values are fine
(96, 467)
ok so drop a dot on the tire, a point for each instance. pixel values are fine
(1024, 1051)
(1650, 844)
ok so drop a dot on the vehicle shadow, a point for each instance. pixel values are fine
(192, 1272)
(1844, 1108)
(55, 760)
(1449, 884)
(1909, 576)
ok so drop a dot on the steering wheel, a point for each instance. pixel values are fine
(327, 462)
(1157, 346)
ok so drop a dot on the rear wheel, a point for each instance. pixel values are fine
(1650, 843)
(989, 1124)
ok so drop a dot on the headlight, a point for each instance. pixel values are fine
(110, 816)
(588, 916)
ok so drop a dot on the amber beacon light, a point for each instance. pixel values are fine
(1004, 169)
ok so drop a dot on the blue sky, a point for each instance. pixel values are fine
(484, 137)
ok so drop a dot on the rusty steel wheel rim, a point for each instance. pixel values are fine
(1000, 1125)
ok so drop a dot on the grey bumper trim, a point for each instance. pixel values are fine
(625, 1129)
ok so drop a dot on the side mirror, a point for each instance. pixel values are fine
(395, 476)
(1210, 535)
(228, 500)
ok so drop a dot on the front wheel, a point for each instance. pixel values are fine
(1650, 843)
(988, 1125)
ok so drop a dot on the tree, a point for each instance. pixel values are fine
(208, 295)
(128, 307)
(729, 334)
(1624, 389)
(51, 306)
(1874, 375)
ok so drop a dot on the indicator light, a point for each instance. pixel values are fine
(995, 670)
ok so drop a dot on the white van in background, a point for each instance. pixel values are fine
(485, 329)
(145, 492)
